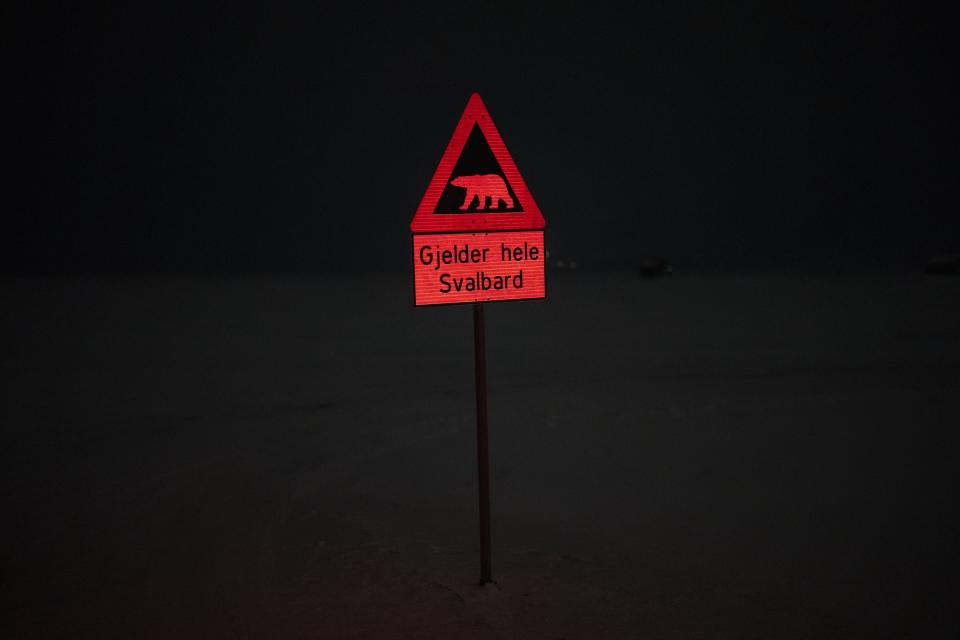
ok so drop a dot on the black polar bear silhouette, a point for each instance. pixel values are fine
(482, 187)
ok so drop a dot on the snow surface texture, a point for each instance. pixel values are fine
(694, 457)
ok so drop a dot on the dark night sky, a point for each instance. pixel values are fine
(213, 137)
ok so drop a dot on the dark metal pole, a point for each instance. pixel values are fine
(483, 457)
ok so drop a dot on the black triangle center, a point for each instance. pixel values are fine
(477, 183)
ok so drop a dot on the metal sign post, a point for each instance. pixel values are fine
(483, 454)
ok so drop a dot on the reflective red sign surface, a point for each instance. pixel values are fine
(451, 268)
(478, 234)
(475, 182)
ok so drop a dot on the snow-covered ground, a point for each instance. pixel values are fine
(693, 457)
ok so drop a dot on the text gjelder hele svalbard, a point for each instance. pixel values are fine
(436, 257)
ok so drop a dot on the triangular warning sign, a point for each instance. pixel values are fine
(477, 186)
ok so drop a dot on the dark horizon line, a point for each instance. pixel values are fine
(565, 271)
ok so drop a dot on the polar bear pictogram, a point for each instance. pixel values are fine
(482, 187)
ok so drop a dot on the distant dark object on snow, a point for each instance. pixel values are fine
(944, 265)
(560, 264)
(654, 268)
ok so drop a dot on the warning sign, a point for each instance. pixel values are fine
(477, 234)
(477, 186)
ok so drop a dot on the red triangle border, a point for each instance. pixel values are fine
(425, 221)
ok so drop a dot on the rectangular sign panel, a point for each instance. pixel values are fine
(453, 268)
